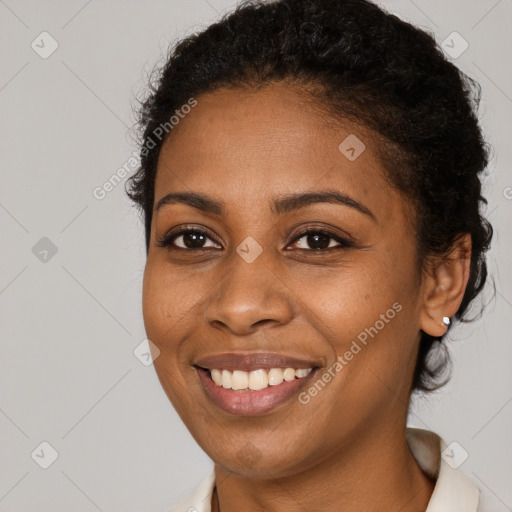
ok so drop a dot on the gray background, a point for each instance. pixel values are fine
(70, 321)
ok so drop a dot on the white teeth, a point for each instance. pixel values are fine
(275, 376)
(226, 379)
(240, 380)
(289, 374)
(257, 379)
(217, 377)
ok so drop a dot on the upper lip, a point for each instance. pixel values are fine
(249, 361)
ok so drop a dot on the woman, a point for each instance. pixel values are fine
(310, 188)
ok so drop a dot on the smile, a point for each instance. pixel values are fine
(253, 383)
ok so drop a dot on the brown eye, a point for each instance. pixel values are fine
(319, 240)
(316, 240)
(192, 239)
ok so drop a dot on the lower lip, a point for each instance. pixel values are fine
(249, 403)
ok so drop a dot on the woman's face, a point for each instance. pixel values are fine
(254, 291)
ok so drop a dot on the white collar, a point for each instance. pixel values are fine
(453, 491)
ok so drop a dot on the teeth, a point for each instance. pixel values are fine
(217, 377)
(239, 380)
(275, 376)
(226, 379)
(289, 374)
(257, 379)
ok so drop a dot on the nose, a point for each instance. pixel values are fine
(248, 296)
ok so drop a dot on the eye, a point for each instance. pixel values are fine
(194, 239)
(191, 239)
(319, 239)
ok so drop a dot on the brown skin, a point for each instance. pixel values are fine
(346, 449)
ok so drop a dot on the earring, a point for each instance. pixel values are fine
(446, 320)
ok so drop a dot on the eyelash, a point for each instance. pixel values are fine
(167, 240)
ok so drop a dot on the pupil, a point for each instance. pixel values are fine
(313, 239)
(192, 236)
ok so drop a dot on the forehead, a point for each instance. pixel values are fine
(248, 146)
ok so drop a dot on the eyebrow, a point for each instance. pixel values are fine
(280, 205)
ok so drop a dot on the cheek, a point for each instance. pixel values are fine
(366, 314)
(345, 300)
(170, 303)
(165, 313)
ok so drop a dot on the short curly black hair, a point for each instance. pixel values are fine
(364, 64)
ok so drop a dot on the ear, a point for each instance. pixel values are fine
(444, 283)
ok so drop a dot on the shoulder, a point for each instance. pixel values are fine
(454, 490)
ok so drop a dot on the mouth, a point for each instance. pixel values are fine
(252, 384)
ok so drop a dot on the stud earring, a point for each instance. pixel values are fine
(446, 320)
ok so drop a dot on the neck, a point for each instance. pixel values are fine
(376, 472)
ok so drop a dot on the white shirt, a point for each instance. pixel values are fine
(453, 491)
